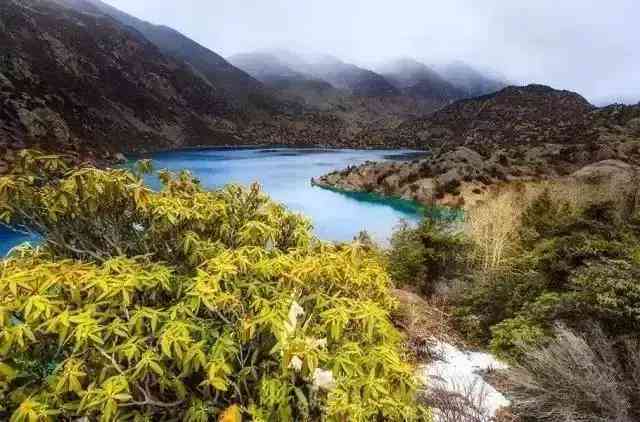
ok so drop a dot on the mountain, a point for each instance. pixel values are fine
(417, 80)
(351, 78)
(74, 79)
(532, 115)
(265, 67)
(361, 100)
(528, 133)
(238, 87)
(291, 84)
(472, 82)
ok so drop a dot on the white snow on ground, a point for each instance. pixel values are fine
(458, 372)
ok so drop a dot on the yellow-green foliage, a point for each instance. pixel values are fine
(198, 305)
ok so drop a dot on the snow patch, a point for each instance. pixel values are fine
(458, 371)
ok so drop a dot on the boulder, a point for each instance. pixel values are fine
(606, 170)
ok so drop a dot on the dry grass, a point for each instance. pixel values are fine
(588, 378)
(493, 227)
(493, 224)
(458, 404)
(424, 322)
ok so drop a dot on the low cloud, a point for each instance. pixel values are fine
(586, 46)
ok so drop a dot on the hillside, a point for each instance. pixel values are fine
(239, 88)
(515, 115)
(518, 134)
(76, 80)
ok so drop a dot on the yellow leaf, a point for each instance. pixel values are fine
(231, 414)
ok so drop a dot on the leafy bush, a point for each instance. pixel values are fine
(187, 305)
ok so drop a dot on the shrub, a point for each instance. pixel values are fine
(459, 403)
(451, 187)
(184, 304)
(421, 256)
(576, 377)
(511, 334)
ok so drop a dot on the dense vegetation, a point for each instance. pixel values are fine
(572, 265)
(548, 280)
(186, 304)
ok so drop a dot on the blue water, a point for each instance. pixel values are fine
(10, 239)
(285, 175)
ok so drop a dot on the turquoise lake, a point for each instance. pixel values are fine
(285, 175)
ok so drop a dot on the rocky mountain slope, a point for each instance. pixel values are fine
(73, 78)
(518, 134)
(76, 80)
(239, 88)
(532, 114)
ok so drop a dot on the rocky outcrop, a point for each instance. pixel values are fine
(462, 176)
(616, 172)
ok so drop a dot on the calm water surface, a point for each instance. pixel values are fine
(285, 175)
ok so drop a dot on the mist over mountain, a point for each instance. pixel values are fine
(403, 77)
(239, 87)
(528, 42)
(416, 79)
(81, 75)
(356, 80)
(471, 81)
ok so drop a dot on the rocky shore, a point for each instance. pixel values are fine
(462, 176)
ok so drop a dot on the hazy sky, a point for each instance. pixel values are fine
(589, 46)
